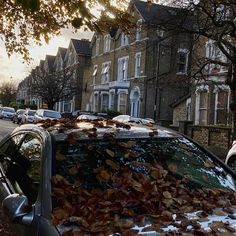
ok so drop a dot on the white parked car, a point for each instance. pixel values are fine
(28, 116)
(231, 157)
(132, 119)
(44, 114)
(7, 113)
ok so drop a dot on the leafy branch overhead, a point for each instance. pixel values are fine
(24, 21)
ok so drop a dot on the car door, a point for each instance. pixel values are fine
(21, 171)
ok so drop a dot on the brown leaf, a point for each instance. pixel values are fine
(172, 167)
(72, 137)
(167, 195)
(73, 170)
(60, 213)
(127, 224)
(110, 153)
(60, 156)
(103, 175)
(114, 165)
(219, 213)
(209, 164)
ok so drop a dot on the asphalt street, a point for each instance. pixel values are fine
(6, 126)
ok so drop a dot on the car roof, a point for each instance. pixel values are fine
(63, 129)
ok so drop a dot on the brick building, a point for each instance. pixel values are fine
(141, 73)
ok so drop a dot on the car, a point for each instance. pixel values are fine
(230, 159)
(7, 113)
(88, 117)
(17, 118)
(28, 116)
(128, 118)
(104, 177)
(43, 114)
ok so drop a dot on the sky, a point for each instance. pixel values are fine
(15, 69)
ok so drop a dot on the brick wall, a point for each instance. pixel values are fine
(217, 140)
(179, 113)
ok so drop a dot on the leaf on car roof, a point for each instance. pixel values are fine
(72, 137)
(110, 153)
(113, 164)
(60, 156)
(73, 170)
(103, 175)
(209, 164)
(172, 167)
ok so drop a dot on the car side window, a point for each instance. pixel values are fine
(24, 169)
(9, 148)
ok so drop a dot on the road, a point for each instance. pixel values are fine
(6, 126)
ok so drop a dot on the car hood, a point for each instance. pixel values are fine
(220, 222)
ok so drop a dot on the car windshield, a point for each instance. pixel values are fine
(52, 114)
(21, 112)
(31, 113)
(137, 181)
(11, 110)
(177, 156)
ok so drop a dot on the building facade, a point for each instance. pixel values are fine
(140, 73)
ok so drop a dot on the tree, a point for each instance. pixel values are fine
(25, 20)
(53, 87)
(215, 20)
(7, 93)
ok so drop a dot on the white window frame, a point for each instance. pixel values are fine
(97, 45)
(198, 91)
(217, 89)
(121, 92)
(95, 101)
(188, 108)
(123, 68)
(107, 43)
(124, 40)
(135, 103)
(102, 100)
(111, 100)
(138, 30)
(186, 54)
(95, 70)
(105, 72)
(137, 70)
(214, 53)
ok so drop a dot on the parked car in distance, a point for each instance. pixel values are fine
(43, 114)
(231, 156)
(17, 118)
(7, 113)
(132, 119)
(104, 177)
(28, 116)
(88, 117)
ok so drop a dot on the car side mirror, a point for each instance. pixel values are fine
(16, 206)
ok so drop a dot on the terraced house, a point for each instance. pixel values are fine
(142, 72)
(57, 82)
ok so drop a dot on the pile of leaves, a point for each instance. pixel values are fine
(152, 199)
(157, 200)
